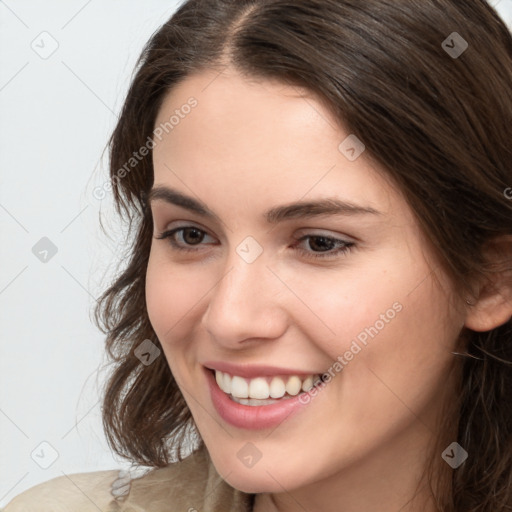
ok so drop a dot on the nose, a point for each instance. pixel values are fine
(246, 304)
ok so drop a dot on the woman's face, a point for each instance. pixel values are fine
(354, 294)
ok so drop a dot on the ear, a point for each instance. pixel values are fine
(492, 305)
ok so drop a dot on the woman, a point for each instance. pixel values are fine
(318, 301)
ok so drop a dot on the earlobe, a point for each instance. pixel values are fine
(492, 306)
(489, 312)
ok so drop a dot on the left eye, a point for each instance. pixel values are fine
(331, 246)
(192, 236)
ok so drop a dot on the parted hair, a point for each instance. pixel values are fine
(435, 116)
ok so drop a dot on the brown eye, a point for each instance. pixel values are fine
(189, 235)
(324, 246)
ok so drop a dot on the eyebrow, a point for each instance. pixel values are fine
(297, 210)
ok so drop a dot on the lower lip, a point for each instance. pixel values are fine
(251, 417)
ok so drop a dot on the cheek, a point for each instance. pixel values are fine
(175, 296)
(345, 307)
(402, 369)
(158, 296)
(167, 304)
(393, 331)
(169, 297)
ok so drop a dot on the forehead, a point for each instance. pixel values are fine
(257, 138)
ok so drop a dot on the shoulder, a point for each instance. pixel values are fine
(191, 484)
(82, 492)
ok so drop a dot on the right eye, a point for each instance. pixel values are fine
(190, 236)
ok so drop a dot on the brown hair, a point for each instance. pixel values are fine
(438, 123)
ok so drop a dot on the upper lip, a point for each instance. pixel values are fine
(250, 371)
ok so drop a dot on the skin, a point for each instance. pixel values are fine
(363, 441)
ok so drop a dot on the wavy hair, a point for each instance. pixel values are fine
(438, 123)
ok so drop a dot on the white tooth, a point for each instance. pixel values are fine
(293, 385)
(258, 388)
(277, 388)
(256, 402)
(219, 379)
(308, 383)
(239, 387)
(226, 381)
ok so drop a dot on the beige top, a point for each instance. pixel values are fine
(192, 485)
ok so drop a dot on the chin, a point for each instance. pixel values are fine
(253, 483)
(261, 478)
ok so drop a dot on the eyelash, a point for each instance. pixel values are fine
(344, 245)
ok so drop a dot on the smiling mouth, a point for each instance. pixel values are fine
(264, 390)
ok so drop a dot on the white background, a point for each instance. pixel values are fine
(56, 116)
